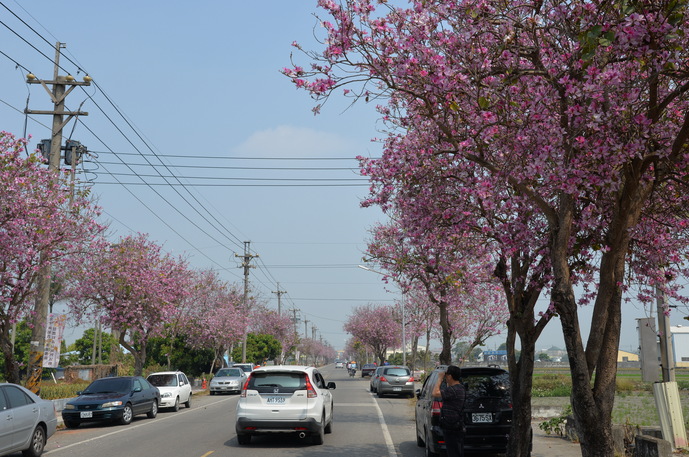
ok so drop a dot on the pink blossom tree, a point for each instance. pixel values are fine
(268, 322)
(375, 326)
(576, 112)
(38, 222)
(214, 317)
(133, 286)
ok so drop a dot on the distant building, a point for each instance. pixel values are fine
(680, 345)
(624, 356)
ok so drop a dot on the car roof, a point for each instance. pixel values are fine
(165, 372)
(300, 368)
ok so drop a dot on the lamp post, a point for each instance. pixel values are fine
(404, 340)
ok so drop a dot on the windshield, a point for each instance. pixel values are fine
(109, 386)
(274, 382)
(229, 372)
(163, 380)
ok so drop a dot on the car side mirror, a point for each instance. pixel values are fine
(418, 393)
(331, 385)
(79, 392)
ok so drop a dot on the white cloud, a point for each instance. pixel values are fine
(290, 141)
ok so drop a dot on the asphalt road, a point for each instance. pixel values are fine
(364, 425)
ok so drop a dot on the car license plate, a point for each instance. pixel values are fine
(275, 400)
(397, 389)
(86, 414)
(481, 418)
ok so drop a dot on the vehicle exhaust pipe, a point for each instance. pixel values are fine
(302, 435)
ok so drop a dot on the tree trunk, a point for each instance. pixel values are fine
(414, 352)
(446, 353)
(11, 365)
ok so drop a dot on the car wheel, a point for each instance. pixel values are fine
(154, 410)
(244, 439)
(175, 408)
(187, 404)
(379, 393)
(127, 415)
(429, 452)
(319, 437)
(37, 444)
(419, 441)
(71, 424)
(212, 393)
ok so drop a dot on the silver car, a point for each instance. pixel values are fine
(392, 380)
(228, 380)
(26, 421)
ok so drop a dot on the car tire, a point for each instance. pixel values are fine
(319, 437)
(175, 408)
(379, 393)
(127, 415)
(428, 451)
(244, 439)
(419, 441)
(212, 393)
(71, 424)
(37, 443)
(187, 404)
(154, 410)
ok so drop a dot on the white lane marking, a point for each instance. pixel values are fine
(386, 433)
(132, 427)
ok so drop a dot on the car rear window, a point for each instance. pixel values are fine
(497, 386)
(396, 372)
(267, 382)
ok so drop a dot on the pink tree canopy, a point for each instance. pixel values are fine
(375, 326)
(38, 222)
(133, 286)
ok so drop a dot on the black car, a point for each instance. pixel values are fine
(368, 369)
(116, 399)
(487, 412)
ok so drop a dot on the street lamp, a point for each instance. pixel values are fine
(404, 340)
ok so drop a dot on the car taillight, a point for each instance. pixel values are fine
(382, 379)
(245, 387)
(435, 408)
(310, 391)
(411, 379)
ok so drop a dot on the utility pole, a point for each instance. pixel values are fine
(667, 357)
(306, 334)
(279, 294)
(58, 93)
(246, 264)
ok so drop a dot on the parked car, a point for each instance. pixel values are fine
(247, 367)
(285, 399)
(392, 380)
(487, 412)
(174, 388)
(228, 380)
(118, 398)
(26, 421)
(367, 369)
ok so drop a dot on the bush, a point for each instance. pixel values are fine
(52, 391)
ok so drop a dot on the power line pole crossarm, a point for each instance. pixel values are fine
(58, 93)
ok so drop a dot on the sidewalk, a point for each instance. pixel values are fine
(552, 445)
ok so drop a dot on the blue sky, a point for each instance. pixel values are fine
(197, 88)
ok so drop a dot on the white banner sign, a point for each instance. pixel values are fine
(53, 340)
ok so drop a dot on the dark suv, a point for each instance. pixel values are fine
(487, 412)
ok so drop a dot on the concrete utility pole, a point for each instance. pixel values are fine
(279, 294)
(58, 93)
(306, 330)
(667, 357)
(246, 264)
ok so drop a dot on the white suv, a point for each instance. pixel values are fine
(174, 388)
(285, 399)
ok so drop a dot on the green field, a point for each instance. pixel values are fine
(634, 403)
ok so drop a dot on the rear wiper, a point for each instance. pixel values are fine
(268, 385)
